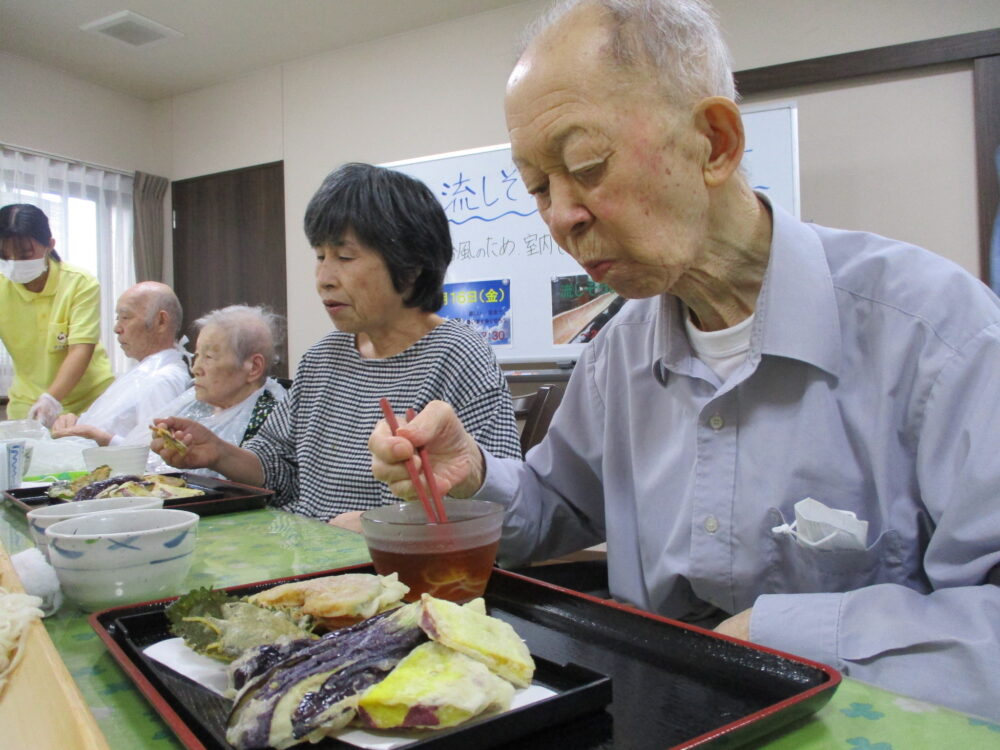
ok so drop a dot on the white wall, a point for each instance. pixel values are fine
(45, 109)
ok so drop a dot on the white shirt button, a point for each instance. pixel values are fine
(716, 422)
(711, 524)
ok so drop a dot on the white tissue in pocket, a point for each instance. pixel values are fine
(822, 527)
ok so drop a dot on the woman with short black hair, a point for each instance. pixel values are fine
(51, 322)
(382, 248)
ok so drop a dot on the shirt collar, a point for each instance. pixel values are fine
(796, 314)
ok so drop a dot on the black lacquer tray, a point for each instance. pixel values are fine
(672, 685)
(221, 496)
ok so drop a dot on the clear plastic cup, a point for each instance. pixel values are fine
(450, 561)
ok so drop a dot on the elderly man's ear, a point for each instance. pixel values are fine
(718, 120)
(161, 320)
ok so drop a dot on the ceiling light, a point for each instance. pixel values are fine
(131, 29)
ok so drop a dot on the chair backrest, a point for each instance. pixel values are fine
(536, 409)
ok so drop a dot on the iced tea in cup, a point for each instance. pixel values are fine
(451, 560)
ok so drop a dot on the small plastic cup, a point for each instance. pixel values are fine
(450, 561)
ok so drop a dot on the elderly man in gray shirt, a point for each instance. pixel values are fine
(768, 380)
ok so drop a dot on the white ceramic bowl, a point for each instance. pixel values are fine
(40, 519)
(122, 556)
(123, 459)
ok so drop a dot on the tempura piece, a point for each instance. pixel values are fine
(223, 627)
(313, 692)
(434, 687)
(486, 639)
(168, 438)
(339, 600)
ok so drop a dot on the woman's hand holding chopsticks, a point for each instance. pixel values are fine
(454, 455)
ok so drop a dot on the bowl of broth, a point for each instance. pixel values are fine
(450, 561)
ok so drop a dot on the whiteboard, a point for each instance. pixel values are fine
(527, 296)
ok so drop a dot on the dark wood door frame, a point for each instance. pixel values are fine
(980, 48)
(229, 244)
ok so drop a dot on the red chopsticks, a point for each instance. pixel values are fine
(433, 508)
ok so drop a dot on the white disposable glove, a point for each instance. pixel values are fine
(45, 409)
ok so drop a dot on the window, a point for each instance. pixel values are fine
(90, 214)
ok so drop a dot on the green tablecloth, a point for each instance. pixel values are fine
(263, 544)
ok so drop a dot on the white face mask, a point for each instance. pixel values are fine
(22, 271)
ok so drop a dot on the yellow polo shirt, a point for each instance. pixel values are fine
(38, 328)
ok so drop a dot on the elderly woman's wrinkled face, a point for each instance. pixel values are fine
(616, 173)
(219, 379)
(354, 284)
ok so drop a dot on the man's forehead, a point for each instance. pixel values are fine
(131, 301)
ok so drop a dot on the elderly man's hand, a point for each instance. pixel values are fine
(737, 626)
(454, 454)
(202, 448)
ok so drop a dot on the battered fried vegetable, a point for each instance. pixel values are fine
(313, 692)
(168, 438)
(434, 687)
(223, 627)
(94, 489)
(336, 601)
(66, 490)
(486, 639)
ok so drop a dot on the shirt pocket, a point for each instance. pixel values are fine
(794, 568)
(57, 337)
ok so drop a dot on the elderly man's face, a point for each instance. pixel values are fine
(219, 379)
(134, 336)
(616, 172)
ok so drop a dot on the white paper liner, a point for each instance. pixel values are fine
(211, 674)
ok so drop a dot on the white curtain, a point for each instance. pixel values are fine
(90, 213)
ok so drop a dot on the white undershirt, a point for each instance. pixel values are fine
(723, 351)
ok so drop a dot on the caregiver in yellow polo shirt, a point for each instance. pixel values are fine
(50, 321)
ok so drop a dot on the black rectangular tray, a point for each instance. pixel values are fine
(673, 685)
(221, 496)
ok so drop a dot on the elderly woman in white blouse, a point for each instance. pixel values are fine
(232, 394)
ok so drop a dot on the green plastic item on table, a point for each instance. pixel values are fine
(63, 476)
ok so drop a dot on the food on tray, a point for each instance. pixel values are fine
(67, 489)
(336, 601)
(313, 692)
(17, 612)
(216, 624)
(380, 673)
(168, 438)
(486, 639)
(150, 485)
(98, 484)
(434, 687)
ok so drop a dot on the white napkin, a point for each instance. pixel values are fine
(212, 674)
(38, 578)
(821, 527)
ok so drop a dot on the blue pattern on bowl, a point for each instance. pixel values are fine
(127, 543)
(168, 559)
(177, 540)
(71, 554)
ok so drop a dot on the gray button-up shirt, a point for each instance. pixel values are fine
(873, 385)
